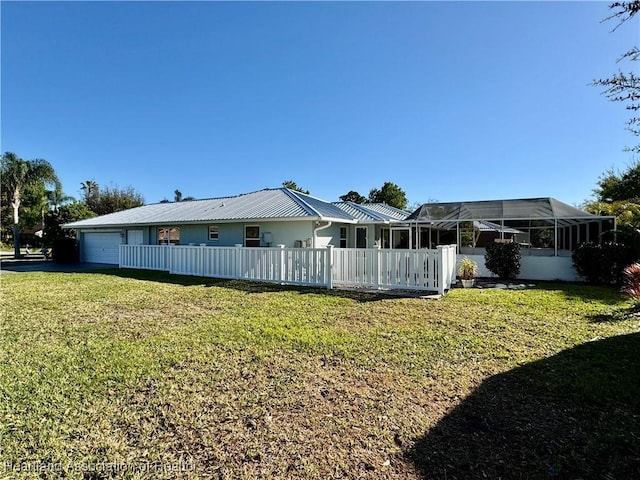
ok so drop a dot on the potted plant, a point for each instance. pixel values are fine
(468, 271)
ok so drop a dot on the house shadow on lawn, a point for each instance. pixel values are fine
(573, 415)
(240, 285)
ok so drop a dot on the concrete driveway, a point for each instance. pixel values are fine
(20, 266)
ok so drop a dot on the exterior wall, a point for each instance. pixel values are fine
(230, 234)
(535, 268)
(331, 235)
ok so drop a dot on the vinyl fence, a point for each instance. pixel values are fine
(431, 270)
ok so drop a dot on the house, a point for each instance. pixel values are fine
(547, 229)
(264, 218)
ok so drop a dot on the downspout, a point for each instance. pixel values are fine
(316, 230)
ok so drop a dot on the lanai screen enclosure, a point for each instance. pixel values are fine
(542, 226)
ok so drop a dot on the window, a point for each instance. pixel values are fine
(169, 235)
(400, 238)
(251, 236)
(343, 237)
(214, 232)
(385, 242)
(361, 237)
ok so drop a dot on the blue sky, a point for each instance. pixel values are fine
(450, 100)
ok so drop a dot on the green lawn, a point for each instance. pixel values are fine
(128, 374)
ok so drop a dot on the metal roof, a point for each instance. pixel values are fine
(268, 204)
(547, 210)
(286, 204)
(372, 212)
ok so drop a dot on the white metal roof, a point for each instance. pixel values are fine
(372, 212)
(285, 204)
(268, 204)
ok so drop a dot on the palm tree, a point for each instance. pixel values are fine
(91, 191)
(18, 175)
(57, 198)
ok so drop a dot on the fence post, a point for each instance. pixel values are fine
(329, 267)
(453, 260)
(376, 268)
(238, 261)
(441, 268)
(281, 260)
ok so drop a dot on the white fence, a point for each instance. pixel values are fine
(396, 269)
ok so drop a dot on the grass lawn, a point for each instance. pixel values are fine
(128, 374)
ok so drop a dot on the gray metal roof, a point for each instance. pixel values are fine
(372, 212)
(285, 204)
(387, 210)
(546, 209)
(268, 204)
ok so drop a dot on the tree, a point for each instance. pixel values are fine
(627, 213)
(115, 199)
(57, 197)
(91, 191)
(618, 195)
(71, 212)
(621, 186)
(391, 194)
(354, 197)
(17, 176)
(625, 87)
(177, 197)
(291, 185)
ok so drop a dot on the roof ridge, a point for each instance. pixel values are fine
(295, 197)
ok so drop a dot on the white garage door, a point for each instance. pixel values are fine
(100, 247)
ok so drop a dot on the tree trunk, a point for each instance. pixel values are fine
(16, 228)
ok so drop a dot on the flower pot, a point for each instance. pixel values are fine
(468, 283)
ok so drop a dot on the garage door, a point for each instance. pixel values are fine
(101, 247)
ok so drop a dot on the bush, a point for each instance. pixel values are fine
(631, 280)
(66, 250)
(503, 259)
(626, 235)
(602, 264)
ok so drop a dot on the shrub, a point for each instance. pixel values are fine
(631, 280)
(66, 250)
(503, 259)
(626, 235)
(602, 264)
(468, 269)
